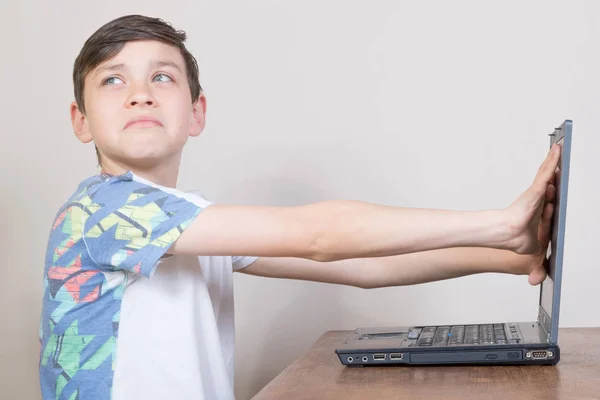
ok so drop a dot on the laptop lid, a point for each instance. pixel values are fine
(549, 303)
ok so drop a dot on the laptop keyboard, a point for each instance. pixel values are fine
(465, 335)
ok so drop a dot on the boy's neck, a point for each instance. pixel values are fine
(159, 175)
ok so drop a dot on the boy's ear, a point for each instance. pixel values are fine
(198, 120)
(80, 126)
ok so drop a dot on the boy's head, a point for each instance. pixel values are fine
(137, 93)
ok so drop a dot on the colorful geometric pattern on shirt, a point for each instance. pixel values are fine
(112, 226)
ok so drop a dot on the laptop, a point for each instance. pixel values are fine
(514, 343)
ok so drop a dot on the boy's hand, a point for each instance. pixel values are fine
(530, 218)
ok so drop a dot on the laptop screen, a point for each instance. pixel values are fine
(550, 290)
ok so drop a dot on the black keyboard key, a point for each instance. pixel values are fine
(486, 333)
(514, 334)
(457, 335)
(426, 338)
(472, 334)
(441, 336)
(499, 332)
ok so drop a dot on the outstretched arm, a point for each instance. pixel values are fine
(407, 269)
(337, 230)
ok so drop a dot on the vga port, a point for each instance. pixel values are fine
(540, 354)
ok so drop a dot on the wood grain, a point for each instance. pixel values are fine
(319, 375)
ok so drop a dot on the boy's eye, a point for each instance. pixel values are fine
(162, 78)
(113, 80)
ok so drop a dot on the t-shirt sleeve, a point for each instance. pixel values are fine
(238, 262)
(242, 262)
(129, 225)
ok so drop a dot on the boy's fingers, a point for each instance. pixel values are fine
(537, 276)
(545, 162)
(546, 225)
(547, 216)
(548, 167)
(551, 158)
(550, 193)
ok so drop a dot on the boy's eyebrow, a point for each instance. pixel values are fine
(165, 63)
(153, 63)
(109, 67)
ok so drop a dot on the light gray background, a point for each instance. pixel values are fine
(424, 104)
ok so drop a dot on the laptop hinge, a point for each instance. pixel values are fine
(545, 322)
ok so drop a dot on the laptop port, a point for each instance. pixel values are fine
(396, 356)
(539, 354)
(365, 359)
(378, 357)
(350, 359)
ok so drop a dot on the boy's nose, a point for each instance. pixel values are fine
(141, 97)
(136, 101)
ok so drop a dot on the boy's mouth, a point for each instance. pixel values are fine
(143, 121)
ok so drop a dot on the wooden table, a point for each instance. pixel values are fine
(319, 375)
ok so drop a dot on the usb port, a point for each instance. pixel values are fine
(379, 357)
(396, 356)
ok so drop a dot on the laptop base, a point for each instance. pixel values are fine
(524, 343)
(530, 355)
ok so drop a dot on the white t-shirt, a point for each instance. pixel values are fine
(121, 319)
(177, 335)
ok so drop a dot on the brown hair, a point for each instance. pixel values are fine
(110, 39)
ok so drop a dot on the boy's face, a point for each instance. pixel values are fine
(139, 110)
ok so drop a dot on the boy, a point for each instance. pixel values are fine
(138, 300)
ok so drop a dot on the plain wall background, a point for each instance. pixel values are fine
(421, 104)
